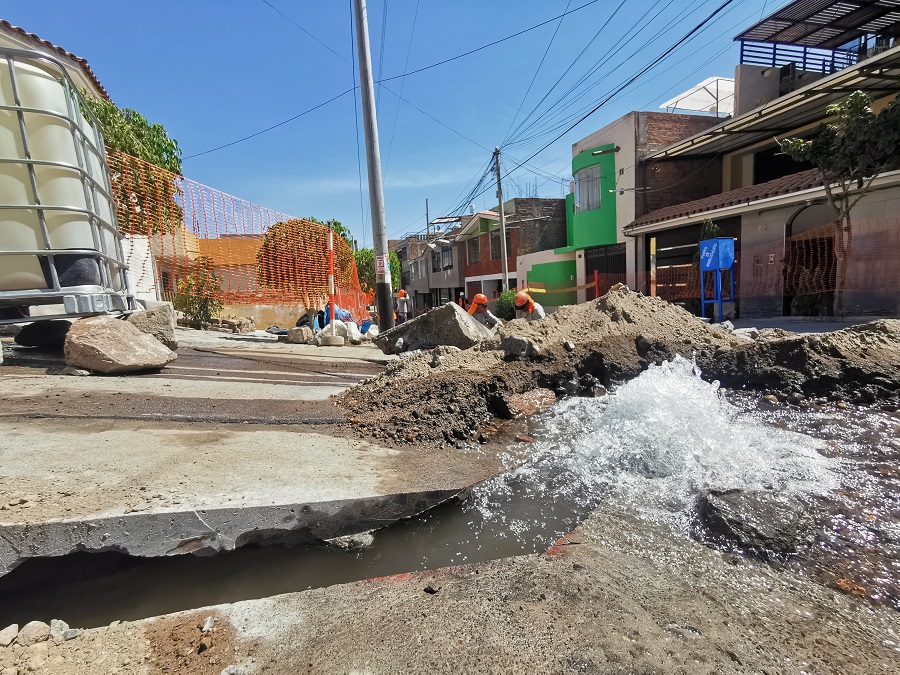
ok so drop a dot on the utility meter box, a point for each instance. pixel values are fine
(717, 254)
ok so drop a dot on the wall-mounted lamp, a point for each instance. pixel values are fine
(605, 152)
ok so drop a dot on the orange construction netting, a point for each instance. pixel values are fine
(178, 231)
(804, 267)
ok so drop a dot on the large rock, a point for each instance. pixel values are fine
(46, 335)
(8, 634)
(758, 521)
(299, 336)
(32, 633)
(158, 322)
(108, 345)
(446, 325)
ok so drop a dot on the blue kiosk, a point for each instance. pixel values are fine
(716, 256)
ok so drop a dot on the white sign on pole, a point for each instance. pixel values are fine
(382, 266)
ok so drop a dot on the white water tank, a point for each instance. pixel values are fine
(58, 234)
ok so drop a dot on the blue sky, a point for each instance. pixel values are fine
(215, 71)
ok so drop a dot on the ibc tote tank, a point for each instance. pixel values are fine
(59, 243)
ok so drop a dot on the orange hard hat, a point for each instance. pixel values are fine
(401, 294)
(478, 300)
(524, 301)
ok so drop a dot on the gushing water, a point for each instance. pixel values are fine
(660, 440)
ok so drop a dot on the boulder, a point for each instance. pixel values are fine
(32, 633)
(299, 336)
(158, 322)
(46, 335)
(519, 347)
(8, 634)
(108, 345)
(759, 521)
(448, 325)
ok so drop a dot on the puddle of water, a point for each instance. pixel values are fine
(652, 447)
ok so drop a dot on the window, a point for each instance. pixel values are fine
(495, 244)
(473, 252)
(447, 258)
(435, 262)
(587, 189)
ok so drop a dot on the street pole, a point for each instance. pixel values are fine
(504, 263)
(427, 220)
(383, 291)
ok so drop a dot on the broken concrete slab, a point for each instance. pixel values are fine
(445, 325)
(158, 322)
(108, 345)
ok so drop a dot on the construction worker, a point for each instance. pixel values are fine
(479, 310)
(527, 308)
(462, 302)
(402, 306)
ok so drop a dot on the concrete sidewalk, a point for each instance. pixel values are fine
(216, 451)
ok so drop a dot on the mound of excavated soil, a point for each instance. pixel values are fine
(426, 400)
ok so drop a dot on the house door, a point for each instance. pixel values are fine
(608, 262)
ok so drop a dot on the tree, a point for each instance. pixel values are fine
(365, 268)
(146, 197)
(850, 151)
(198, 295)
(339, 229)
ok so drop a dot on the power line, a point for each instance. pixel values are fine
(384, 13)
(362, 208)
(290, 20)
(400, 95)
(616, 91)
(489, 44)
(625, 84)
(274, 126)
(534, 77)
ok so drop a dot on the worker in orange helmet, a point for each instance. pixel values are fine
(527, 308)
(479, 310)
(403, 306)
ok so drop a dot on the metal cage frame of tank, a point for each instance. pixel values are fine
(86, 300)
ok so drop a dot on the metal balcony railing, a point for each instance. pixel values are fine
(809, 59)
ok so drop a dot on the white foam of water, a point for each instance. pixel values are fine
(663, 438)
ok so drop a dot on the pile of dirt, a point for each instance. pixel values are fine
(449, 396)
(860, 364)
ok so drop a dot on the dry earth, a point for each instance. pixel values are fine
(613, 339)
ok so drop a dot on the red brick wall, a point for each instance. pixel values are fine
(673, 181)
(488, 266)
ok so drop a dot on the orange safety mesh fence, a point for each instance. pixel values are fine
(258, 256)
(804, 267)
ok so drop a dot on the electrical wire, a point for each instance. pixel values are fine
(274, 126)
(412, 32)
(610, 94)
(534, 77)
(693, 31)
(384, 13)
(489, 44)
(364, 223)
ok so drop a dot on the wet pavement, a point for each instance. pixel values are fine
(196, 456)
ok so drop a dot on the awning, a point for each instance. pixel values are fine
(824, 23)
(879, 76)
(713, 95)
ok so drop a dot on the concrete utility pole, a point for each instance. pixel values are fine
(427, 221)
(383, 290)
(505, 265)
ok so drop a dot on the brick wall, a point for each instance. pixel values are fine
(673, 181)
(544, 234)
(488, 266)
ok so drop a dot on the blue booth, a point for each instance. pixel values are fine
(716, 256)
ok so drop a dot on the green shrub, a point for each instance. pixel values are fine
(506, 305)
(198, 294)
